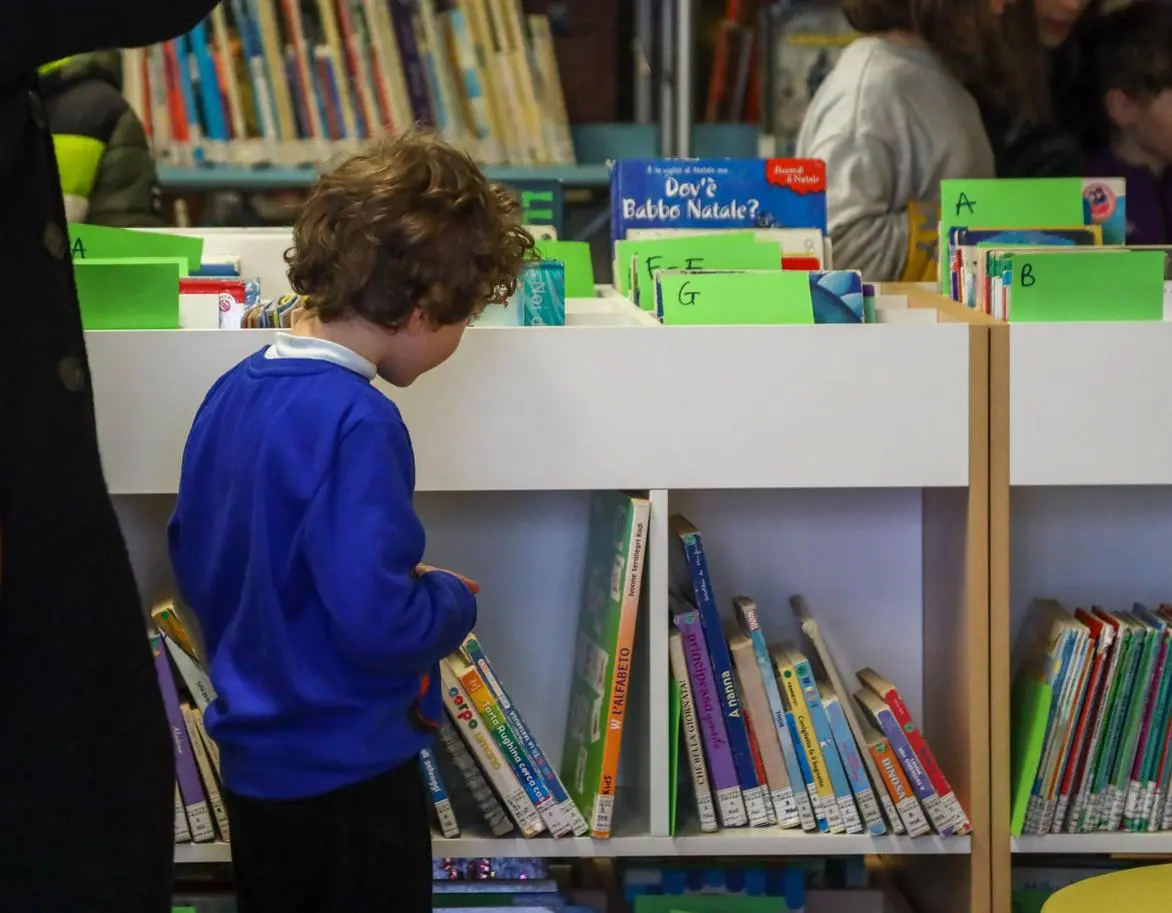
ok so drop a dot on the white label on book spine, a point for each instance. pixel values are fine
(1148, 806)
(731, 804)
(805, 811)
(182, 832)
(200, 817)
(706, 810)
(937, 815)
(834, 822)
(1118, 800)
(1048, 806)
(603, 815)
(447, 818)
(756, 807)
(785, 807)
(1059, 814)
(850, 815)
(913, 817)
(1131, 800)
(891, 813)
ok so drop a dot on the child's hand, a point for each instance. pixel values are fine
(473, 586)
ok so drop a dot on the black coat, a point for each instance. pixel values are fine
(86, 770)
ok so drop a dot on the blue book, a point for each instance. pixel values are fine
(195, 127)
(215, 119)
(475, 654)
(837, 296)
(439, 794)
(852, 762)
(717, 193)
(694, 581)
(540, 296)
(822, 732)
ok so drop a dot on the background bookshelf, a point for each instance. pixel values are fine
(1081, 493)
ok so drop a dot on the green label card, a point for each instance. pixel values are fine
(715, 298)
(1087, 284)
(1007, 203)
(575, 255)
(731, 251)
(101, 242)
(129, 294)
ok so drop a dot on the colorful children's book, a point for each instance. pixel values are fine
(690, 578)
(473, 777)
(693, 741)
(730, 803)
(816, 771)
(612, 583)
(717, 193)
(441, 804)
(894, 781)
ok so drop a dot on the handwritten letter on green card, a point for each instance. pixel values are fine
(101, 242)
(1007, 203)
(761, 298)
(731, 251)
(1092, 284)
(129, 294)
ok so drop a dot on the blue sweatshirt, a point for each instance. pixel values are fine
(294, 542)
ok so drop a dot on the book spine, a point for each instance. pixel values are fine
(1087, 818)
(199, 685)
(215, 800)
(807, 775)
(1104, 790)
(705, 807)
(198, 814)
(602, 814)
(1139, 691)
(941, 818)
(479, 659)
(936, 776)
(182, 831)
(507, 742)
(479, 741)
(900, 790)
(834, 768)
(490, 807)
(413, 71)
(801, 797)
(738, 736)
(759, 765)
(212, 749)
(729, 802)
(449, 827)
(1155, 760)
(852, 762)
(1069, 790)
(826, 806)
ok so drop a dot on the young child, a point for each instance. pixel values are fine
(1131, 61)
(894, 118)
(295, 543)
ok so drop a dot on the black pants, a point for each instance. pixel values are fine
(365, 848)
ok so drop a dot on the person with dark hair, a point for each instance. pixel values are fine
(87, 779)
(1130, 63)
(295, 543)
(895, 117)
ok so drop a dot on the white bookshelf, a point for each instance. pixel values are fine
(845, 463)
(1081, 507)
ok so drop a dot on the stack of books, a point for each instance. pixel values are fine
(292, 83)
(484, 747)
(1092, 721)
(774, 738)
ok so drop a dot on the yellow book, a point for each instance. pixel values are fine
(825, 804)
(167, 620)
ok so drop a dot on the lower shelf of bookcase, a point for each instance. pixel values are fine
(1109, 842)
(739, 843)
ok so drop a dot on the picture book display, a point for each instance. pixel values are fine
(717, 193)
(1092, 721)
(773, 735)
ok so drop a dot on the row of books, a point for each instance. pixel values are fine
(771, 740)
(1092, 721)
(293, 82)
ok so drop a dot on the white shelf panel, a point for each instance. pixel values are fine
(1104, 843)
(605, 407)
(1088, 406)
(735, 843)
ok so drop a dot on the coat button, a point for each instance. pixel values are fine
(36, 109)
(71, 374)
(55, 241)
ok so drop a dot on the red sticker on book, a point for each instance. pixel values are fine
(799, 175)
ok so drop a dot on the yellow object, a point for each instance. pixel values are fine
(1147, 889)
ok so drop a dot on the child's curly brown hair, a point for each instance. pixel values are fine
(411, 222)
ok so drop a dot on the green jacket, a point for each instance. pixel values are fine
(107, 173)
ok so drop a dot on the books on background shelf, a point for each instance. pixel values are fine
(292, 82)
(773, 737)
(1092, 721)
(486, 739)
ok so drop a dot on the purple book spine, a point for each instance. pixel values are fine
(414, 71)
(185, 770)
(916, 775)
(730, 802)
